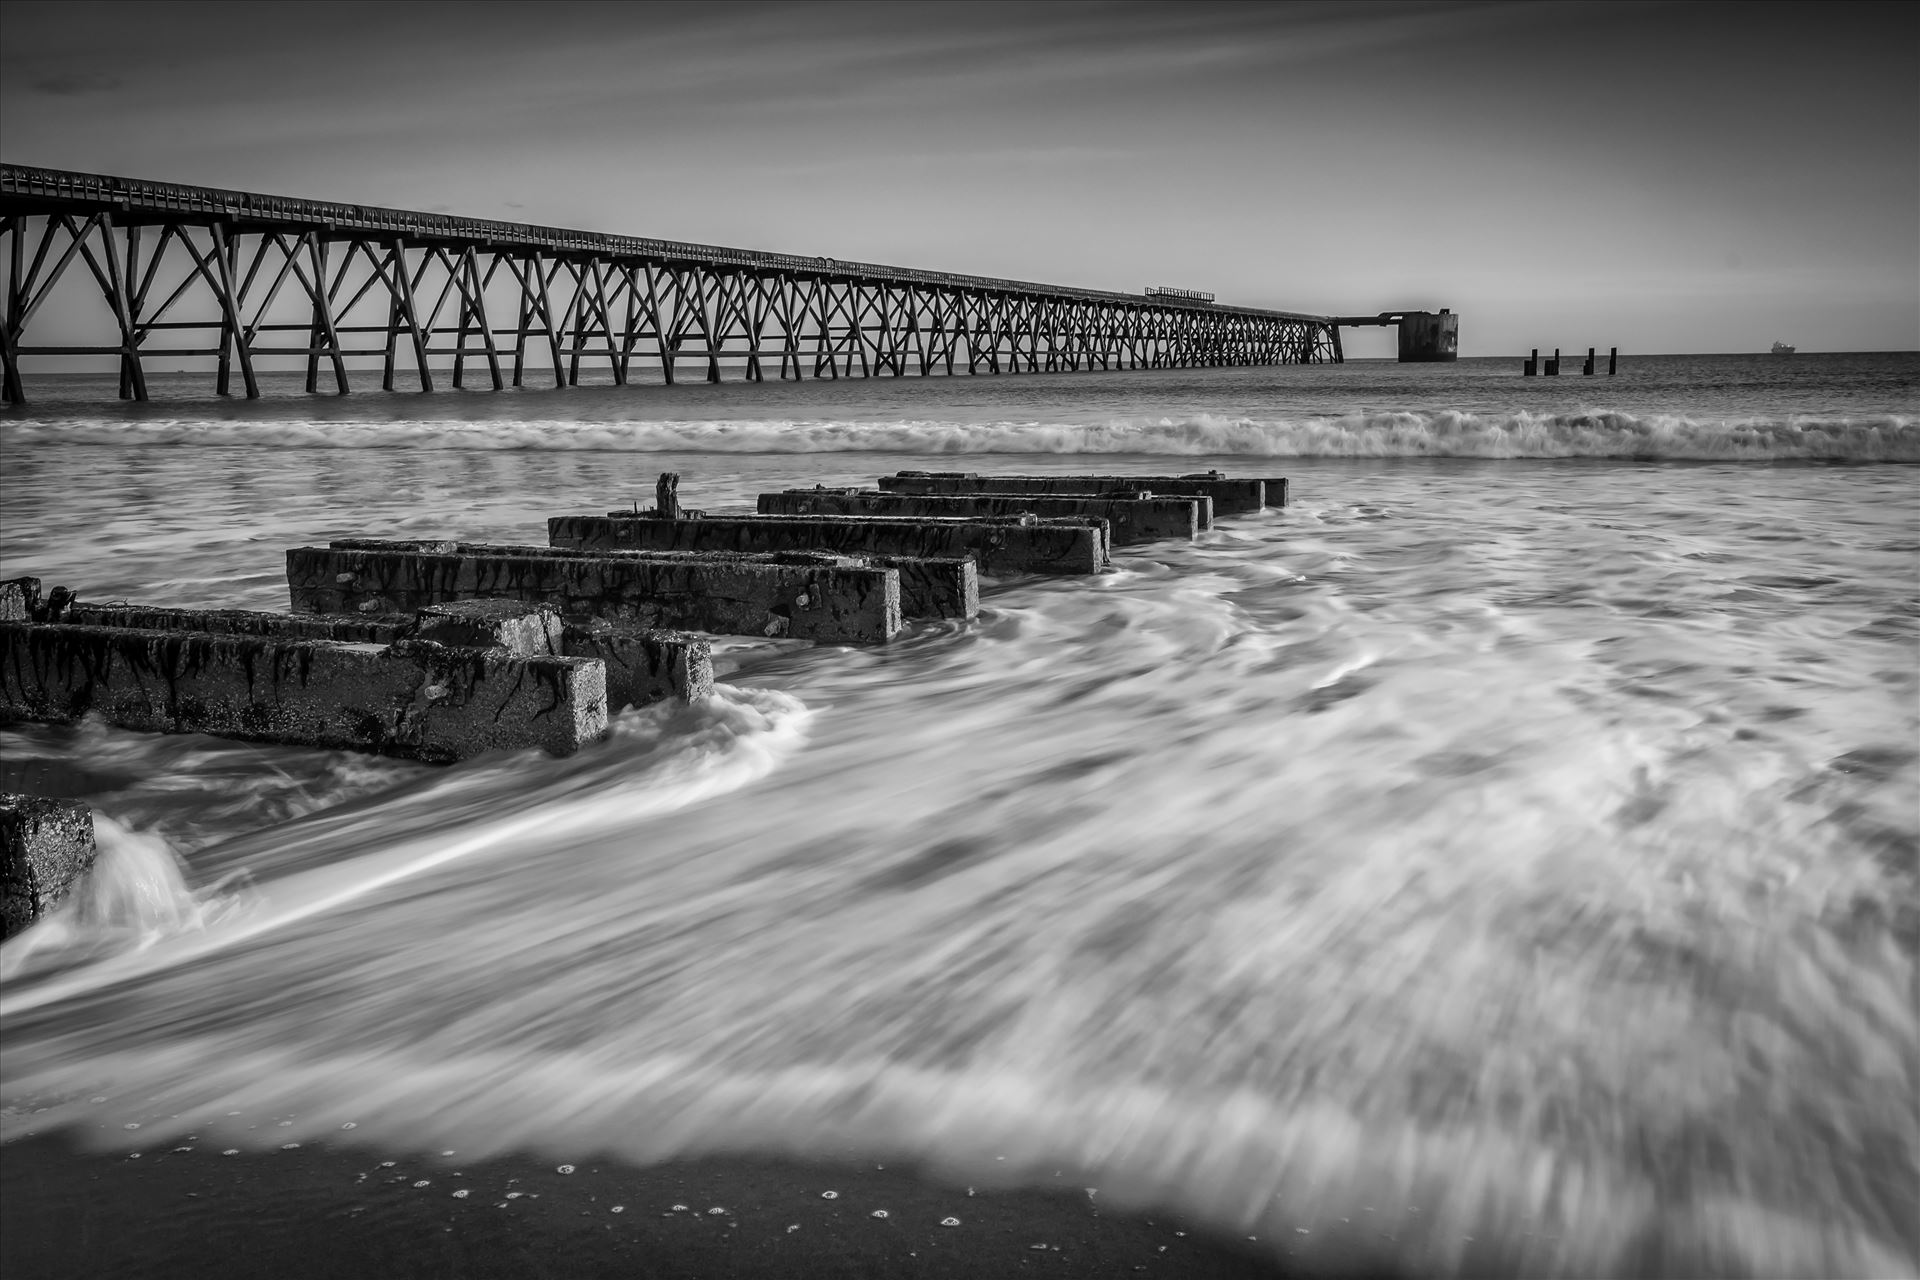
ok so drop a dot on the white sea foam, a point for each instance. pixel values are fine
(1450, 434)
(1526, 852)
(136, 894)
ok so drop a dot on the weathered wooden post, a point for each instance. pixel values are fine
(1586, 370)
(666, 496)
(1530, 367)
(1613, 361)
(1553, 365)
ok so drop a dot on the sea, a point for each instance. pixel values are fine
(1503, 860)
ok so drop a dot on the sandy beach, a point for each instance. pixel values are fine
(337, 1211)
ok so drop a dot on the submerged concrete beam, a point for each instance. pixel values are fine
(805, 596)
(1230, 497)
(930, 586)
(1129, 520)
(1012, 544)
(46, 846)
(935, 586)
(357, 628)
(644, 665)
(413, 698)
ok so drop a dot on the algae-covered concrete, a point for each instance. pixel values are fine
(930, 586)
(643, 666)
(21, 601)
(414, 698)
(46, 846)
(935, 586)
(1129, 520)
(523, 630)
(16, 599)
(1230, 496)
(1009, 544)
(801, 595)
(359, 628)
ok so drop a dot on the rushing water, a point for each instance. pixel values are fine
(1511, 845)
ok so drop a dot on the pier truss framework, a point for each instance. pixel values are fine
(269, 279)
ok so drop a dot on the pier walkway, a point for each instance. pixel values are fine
(248, 279)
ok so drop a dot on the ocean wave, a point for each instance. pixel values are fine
(1410, 434)
(656, 760)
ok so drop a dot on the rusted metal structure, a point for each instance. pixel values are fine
(1425, 337)
(267, 278)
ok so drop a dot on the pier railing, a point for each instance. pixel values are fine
(318, 282)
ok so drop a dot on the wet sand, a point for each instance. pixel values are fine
(335, 1211)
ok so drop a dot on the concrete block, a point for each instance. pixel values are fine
(1230, 497)
(930, 586)
(21, 601)
(1276, 492)
(807, 596)
(413, 698)
(1129, 520)
(935, 586)
(1010, 544)
(17, 598)
(525, 631)
(358, 628)
(643, 666)
(46, 846)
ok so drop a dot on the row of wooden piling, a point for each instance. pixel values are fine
(1531, 365)
(440, 650)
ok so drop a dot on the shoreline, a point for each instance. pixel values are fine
(317, 1210)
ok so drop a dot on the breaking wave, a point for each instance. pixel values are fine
(1449, 433)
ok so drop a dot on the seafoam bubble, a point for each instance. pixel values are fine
(565, 1168)
(350, 1125)
(424, 1182)
(878, 1213)
(289, 1146)
(462, 1194)
(619, 1208)
(679, 1208)
(716, 1212)
(231, 1151)
(949, 1222)
(829, 1195)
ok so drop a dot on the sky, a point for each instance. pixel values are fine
(1661, 177)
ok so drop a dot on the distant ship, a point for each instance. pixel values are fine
(1782, 349)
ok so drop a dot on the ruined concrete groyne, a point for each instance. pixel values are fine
(442, 650)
